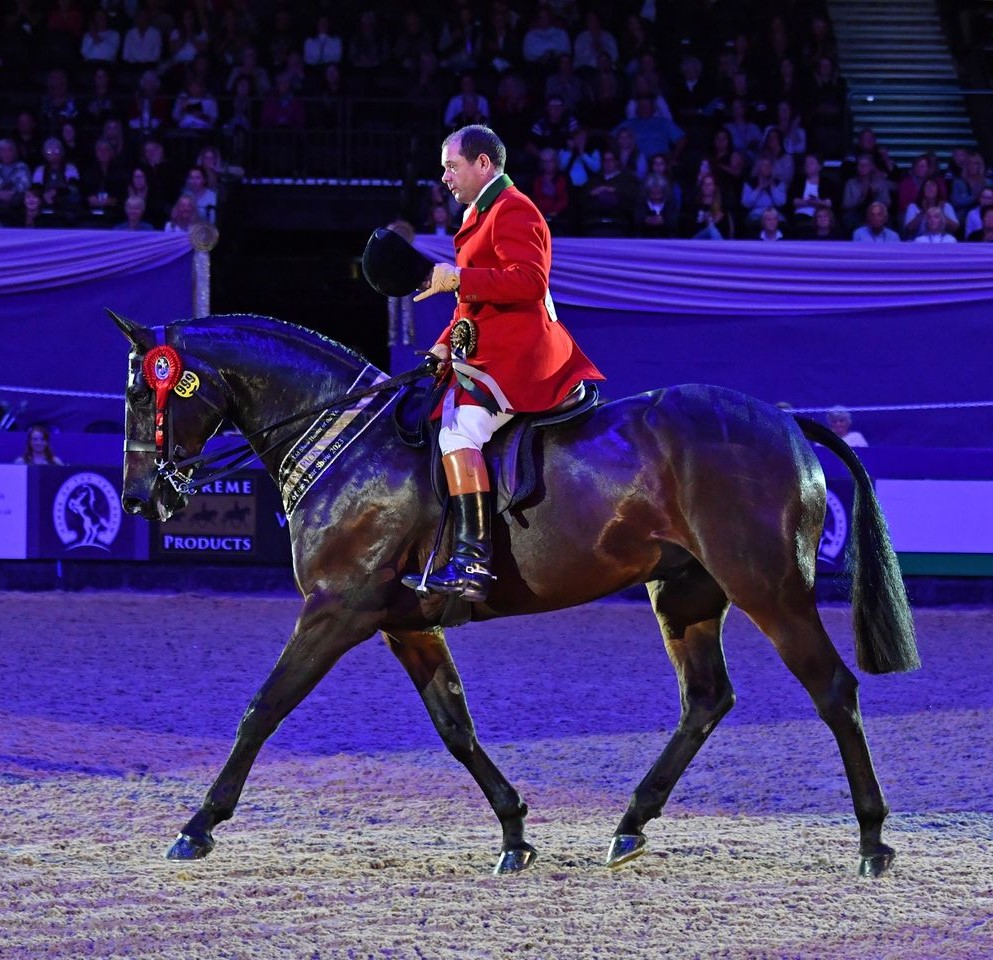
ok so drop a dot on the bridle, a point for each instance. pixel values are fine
(162, 368)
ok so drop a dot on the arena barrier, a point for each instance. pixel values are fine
(937, 502)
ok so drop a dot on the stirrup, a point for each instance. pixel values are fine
(463, 576)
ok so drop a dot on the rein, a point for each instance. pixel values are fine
(179, 472)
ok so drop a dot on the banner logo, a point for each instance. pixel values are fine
(87, 512)
(835, 530)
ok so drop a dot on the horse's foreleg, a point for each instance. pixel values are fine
(691, 614)
(322, 634)
(425, 656)
(807, 650)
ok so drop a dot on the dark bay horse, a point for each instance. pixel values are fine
(707, 496)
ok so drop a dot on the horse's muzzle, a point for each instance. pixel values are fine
(134, 505)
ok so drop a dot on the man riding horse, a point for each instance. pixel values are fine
(504, 352)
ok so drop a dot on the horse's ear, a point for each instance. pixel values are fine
(141, 337)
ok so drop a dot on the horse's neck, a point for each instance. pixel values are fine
(282, 378)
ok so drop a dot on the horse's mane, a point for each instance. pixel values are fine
(273, 329)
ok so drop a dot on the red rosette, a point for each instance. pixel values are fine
(162, 369)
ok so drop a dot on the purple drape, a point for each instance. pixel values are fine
(740, 278)
(809, 323)
(54, 286)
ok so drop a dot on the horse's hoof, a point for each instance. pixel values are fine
(516, 860)
(876, 864)
(189, 848)
(624, 848)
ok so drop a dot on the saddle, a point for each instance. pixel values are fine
(510, 453)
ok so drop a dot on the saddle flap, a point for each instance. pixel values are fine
(511, 453)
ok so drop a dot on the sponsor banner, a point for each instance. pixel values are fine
(939, 516)
(14, 511)
(75, 513)
(238, 519)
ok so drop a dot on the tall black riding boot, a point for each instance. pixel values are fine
(467, 574)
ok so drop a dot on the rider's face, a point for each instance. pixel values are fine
(465, 178)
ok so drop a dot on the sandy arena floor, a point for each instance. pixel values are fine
(359, 837)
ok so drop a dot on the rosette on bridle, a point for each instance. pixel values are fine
(162, 369)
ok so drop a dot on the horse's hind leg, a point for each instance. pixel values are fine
(799, 637)
(425, 656)
(322, 634)
(691, 613)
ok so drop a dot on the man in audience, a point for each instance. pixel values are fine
(875, 230)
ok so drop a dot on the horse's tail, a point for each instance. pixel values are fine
(884, 627)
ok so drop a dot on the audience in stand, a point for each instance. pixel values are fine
(591, 42)
(550, 189)
(31, 213)
(769, 225)
(609, 197)
(910, 185)
(984, 233)
(104, 182)
(761, 191)
(15, 178)
(142, 49)
(195, 108)
(973, 219)
(100, 44)
(707, 217)
(810, 192)
(38, 448)
(928, 197)
(134, 216)
(875, 230)
(866, 186)
(657, 212)
(204, 197)
(839, 421)
(100, 104)
(183, 216)
(825, 227)
(937, 229)
(966, 187)
(59, 181)
(467, 106)
(711, 88)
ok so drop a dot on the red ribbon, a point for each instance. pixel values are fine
(162, 369)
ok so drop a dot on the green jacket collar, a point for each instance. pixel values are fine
(492, 192)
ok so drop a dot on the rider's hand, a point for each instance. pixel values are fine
(443, 355)
(444, 277)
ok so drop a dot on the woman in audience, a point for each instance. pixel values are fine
(928, 197)
(184, 215)
(761, 190)
(59, 180)
(967, 186)
(936, 228)
(810, 192)
(38, 448)
(706, 217)
(782, 162)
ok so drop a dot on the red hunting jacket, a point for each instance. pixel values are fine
(504, 250)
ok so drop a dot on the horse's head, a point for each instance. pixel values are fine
(174, 403)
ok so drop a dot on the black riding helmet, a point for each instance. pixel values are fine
(392, 266)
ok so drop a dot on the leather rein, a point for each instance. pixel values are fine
(164, 375)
